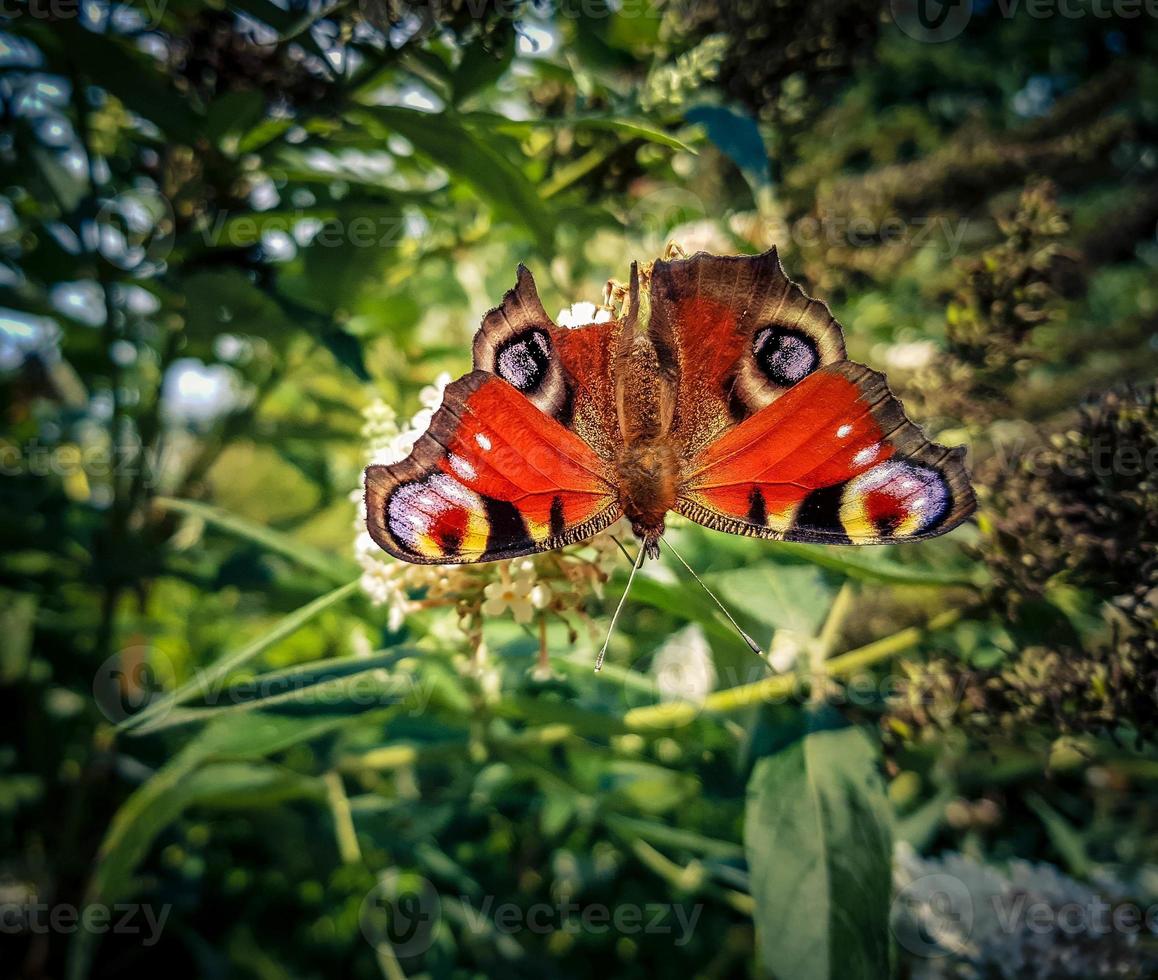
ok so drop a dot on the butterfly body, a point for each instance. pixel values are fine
(721, 392)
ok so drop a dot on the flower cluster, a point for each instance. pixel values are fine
(1079, 517)
(528, 590)
(1102, 687)
(670, 86)
(1002, 297)
(1083, 508)
(961, 919)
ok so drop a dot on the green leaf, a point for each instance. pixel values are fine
(471, 160)
(324, 686)
(921, 826)
(736, 134)
(646, 787)
(665, 835)
(232, 114)
(347, 351)
(817, 836)
(1063, 835)
(483, 63)
(221, 300)
(227, 664)
(278, 542)
(636, 129)
(794, 597)
(856, 564)
(129, 75)
(181, 783)
(683, 601)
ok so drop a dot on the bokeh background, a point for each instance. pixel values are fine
(242, 246)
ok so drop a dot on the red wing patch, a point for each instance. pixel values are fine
(585, 353)
(492, 478)
(832, 460)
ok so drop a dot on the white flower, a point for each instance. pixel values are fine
(961, 918)
(787, 646)
(910, 355)
(380, 431)
(580, 314)
(518, 593)
(683, 668)
(431, 396)
(608, 555)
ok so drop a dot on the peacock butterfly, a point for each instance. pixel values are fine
(721, 391)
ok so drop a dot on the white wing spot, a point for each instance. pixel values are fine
(867, 455)
(462, 467)
(483, 441)
(844, 431)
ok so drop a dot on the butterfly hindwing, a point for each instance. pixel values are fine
(493, 477)
(741, 333)
(833, 460)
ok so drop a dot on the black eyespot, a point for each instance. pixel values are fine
(785, 356)
(523, 360)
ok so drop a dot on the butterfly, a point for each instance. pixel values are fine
(721, 392)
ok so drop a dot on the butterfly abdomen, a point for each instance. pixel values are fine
(648, 478)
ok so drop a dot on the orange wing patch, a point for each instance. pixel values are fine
(832, 460)
(492, 478)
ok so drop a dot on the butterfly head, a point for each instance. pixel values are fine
(648, 538)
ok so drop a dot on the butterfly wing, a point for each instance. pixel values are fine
(740, 334)
(832, 460)
(564, 372)
(493, 477)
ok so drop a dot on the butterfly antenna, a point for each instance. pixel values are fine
(752, 644)
(618, 609)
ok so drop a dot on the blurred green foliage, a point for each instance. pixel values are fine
(225, 230)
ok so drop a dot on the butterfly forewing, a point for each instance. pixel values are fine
(741, 334)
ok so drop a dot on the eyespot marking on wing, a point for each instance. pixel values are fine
(785, 356)
(436, 517)
(523, 361)
(898, 497)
